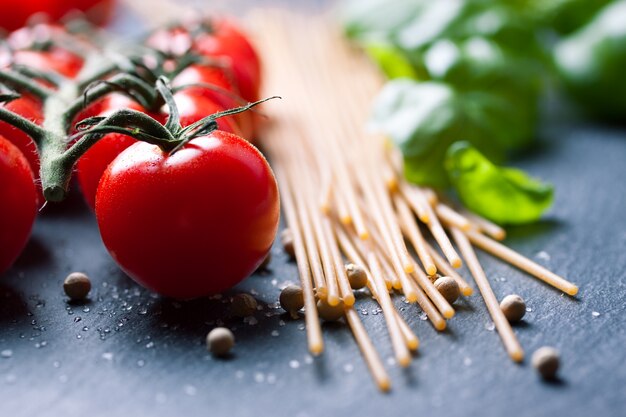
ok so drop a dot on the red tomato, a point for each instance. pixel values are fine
(220, 39)
(216, 77)
(175, 41)
(31, 110)
(228, 42)
(16, 13)
(94, 162)
(193, 108)
(18, 203)
(53, 58)
(192, 223)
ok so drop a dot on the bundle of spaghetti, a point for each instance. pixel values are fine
(346, 200)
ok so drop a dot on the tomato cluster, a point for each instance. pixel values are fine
(198, 198)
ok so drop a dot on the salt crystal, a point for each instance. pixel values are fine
(543, 255)
(190, 390)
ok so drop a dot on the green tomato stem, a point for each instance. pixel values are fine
(23, 83)
(57, 161)
(47, 76)
(37, 133)
(132, 86)
(173, 119)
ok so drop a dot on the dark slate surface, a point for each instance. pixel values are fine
(129, 352)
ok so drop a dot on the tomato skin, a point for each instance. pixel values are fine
(16, 13)
(223, 41)
(193, 108)
(55, 59)
(228, 42)
(51, 58)
(217, 77)
(31, 110)
(193, 223)
(18, 203)
(94, 162)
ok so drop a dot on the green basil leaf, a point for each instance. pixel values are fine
(425, 118)
(377, 20)
(503, 195)
(391, 60)
(478, 63)
(591, 63)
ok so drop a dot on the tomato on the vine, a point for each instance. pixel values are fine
(225, 40)
(30, 109)
(55, 59)
(94, 162)
(193, 108)
(225, 92)
(18, 203)
(217, 39)
(35, 47)
(190, 223)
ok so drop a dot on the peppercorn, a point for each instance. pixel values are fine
(286, 238)
(220, 341)
(328, 312)
(77, 285)
(243, 305)
(449, 288)
(357, 276)
(546, 361)
(291, 300)
(513, 307)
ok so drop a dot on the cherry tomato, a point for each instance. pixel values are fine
(55, 59)
(18, 203)
(220, 39)
(193, 108)
(195, 74)
(94, 162)
(31, 110)
(174, 41)
(228, 42)
(47, 58)
(16, 13)
(192, 223)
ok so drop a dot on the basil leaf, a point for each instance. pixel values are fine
(478, 63)
(391, 60)
(425, 118)
(503, 195)
(591, 63)
(377, 20)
